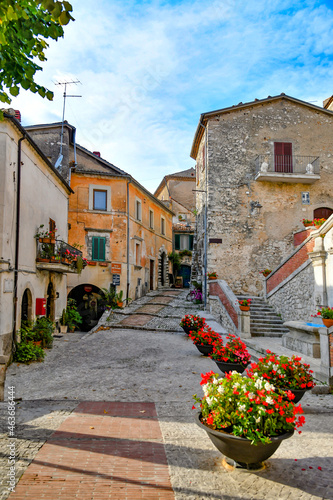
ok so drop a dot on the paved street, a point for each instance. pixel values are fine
(108, 416)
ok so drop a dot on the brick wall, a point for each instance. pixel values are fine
(215, 289)
(301, 236)
(293, 263)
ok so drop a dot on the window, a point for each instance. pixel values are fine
(52, 227)
(183, 241)
(99, 199)
(98, 248)
(138, 210)
(283, 159)
(151, 219)
(162, 225)
(137, 254)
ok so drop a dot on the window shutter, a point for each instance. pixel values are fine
(98, 248)
(191, 242)
(177, 241)
(101, 252)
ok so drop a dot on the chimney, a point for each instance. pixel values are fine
(97, 153)
(18, 115)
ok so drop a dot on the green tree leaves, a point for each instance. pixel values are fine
(25, 25)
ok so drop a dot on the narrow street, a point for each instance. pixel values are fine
(108, 416)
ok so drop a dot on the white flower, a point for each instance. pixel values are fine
(241, 407)
(258, 420)
(209, 401)
(269, 387)
(236, 385)
(220, 389)
(258, 383)
(269, 400)
(215, 381)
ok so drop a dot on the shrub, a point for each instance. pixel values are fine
(27, 352)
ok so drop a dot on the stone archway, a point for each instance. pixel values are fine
(89, 304)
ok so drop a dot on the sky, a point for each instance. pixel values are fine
(148, 69)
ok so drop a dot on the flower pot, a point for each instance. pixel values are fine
(298, 393)
(328, 322)
(63, 328)
(40, 259)
(120, 304)
(307, 224)
(186, 329)
(244, 308)
(213, 278)
(227, 367)
(240, 449)
(92, 263)
(204, 349)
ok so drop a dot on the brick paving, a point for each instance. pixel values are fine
(150, 309)
(105, 450)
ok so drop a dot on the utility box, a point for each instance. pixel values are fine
(40, 307)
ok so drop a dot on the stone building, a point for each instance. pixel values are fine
(122, 229)
(261, 168)
(177, 191)
(32, 193)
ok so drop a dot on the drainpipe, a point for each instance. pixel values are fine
(17, 235)
(206, 218)
(128, 244)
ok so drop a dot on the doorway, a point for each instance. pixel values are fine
(151, 274)
(26, 307)
(322, 213)
(50, 302)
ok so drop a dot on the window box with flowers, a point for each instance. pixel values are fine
(318, 222)
(307, 222)
(45, 236)
(286, 374)
(246, 418)
(231, 356)
(212, 276)
(265, 272)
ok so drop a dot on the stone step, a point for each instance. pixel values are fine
(265, 322)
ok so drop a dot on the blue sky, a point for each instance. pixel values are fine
(148, 69)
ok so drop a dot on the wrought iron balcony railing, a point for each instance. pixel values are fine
(297, 165)
(56, 251)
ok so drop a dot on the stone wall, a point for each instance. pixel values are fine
(255, 238)
(293, 298)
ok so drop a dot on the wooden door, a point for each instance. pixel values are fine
(283, 159)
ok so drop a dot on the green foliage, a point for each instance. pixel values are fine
(73, 317)
(185, 253)
(176, 263)
(25, 25)
(27, 352)
(43, 331)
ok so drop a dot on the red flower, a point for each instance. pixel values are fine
(205, 378)
(210, 420)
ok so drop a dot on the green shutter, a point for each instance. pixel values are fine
(191, 241)
(98, 248)
(177, 241)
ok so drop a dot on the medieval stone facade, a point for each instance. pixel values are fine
(262, 167)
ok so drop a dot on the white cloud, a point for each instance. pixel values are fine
(149, 69)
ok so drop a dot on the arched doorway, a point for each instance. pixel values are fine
(26, 306)
(50, 302)
(322, 213)
(89, 304)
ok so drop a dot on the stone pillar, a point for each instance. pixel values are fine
(326, 351)
(3, 366)
(318, 257)
(244, 324)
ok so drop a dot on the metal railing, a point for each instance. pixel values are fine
(287, 164)
(56, 251)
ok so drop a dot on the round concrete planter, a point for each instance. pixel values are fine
(240, 449)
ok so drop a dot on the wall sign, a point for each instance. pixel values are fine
(115, 268)
(116, 279)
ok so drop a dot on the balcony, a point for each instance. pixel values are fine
(284, 168)
(57, 256)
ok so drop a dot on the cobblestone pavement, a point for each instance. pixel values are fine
(156, 363)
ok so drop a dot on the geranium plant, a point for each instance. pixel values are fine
(212, 275)
(325, 313)
(319, 222)
(306, 221)
(245, 302)
(265, 272)
(234, 351)
(204, 336)
(247, 407)
(282, 371)
(192, 322)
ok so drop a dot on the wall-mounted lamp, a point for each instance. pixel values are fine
(255, 207)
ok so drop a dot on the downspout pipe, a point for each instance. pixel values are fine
(17, 233)
(128, 243)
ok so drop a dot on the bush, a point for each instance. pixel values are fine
(43, 331)
(27, 352)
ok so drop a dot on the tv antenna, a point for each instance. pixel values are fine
(60, 157)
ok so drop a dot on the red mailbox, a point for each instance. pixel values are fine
(40, 307)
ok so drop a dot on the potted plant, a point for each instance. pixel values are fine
(43, 331)
(287, 374)
(245, 418)
(63, 322)
(73, 317)
(45, 236)
(212, 276)
(119, 299)
(318, 222)
(265, 272)
(326, 314)
(231, 356)
(192, 322)
(244, 305)
(307, 222)
(204, 339)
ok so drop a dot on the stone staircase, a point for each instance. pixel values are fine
(264, 320)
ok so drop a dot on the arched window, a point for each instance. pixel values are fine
(26, 306)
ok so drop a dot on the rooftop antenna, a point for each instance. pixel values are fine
(60, 157)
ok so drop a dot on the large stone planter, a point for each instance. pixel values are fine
(303, 338)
